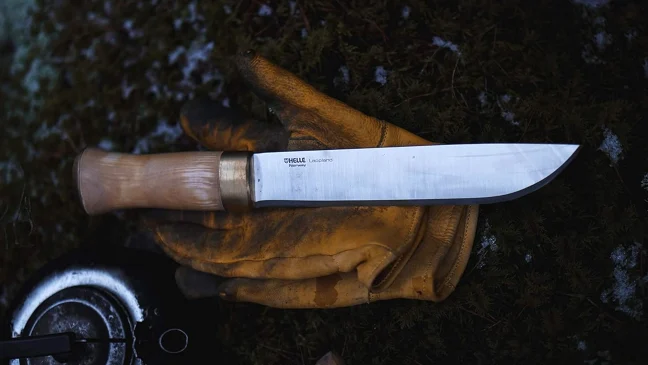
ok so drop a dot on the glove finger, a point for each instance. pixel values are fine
(189, 244)
(205, 219)
(196, 284)
(223, 129)
(303, 109)
(332, 291)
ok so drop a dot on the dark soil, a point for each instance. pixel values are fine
(558, 276)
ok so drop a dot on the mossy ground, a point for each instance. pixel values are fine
(557, 276)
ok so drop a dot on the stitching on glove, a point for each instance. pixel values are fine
(461, 250)
(383, 133)
(309, 139)
(431, 261)
(380, 264)
(178, 254)
(186, 258)
(416, 219)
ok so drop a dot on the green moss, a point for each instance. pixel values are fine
(520, 76)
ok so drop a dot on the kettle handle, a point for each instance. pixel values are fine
(35, 346)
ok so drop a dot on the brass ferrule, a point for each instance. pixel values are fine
(234, 178)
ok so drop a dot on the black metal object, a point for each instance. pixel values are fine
(120, 305)
(36, 346)
(89, 313)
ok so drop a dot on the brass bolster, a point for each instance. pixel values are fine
(234, 175)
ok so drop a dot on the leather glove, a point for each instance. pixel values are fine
(310, 257)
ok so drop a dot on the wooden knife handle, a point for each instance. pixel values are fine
(212, 180)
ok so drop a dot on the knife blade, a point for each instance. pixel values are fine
(410, 175)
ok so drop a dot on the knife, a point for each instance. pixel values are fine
(235, 181)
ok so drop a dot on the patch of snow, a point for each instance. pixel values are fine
(88, 104)
(381, 75)
(508, 115)
(227, 9)
(32, 78)
(602, 40)
(54, 178)
(197, 53)
(599, 20)
(483, 100)
(97, 19)
(126, 89)
(9, 170)
(226, 102)
(168, 133)
(342, 79)
(32, 152)
(345, 74)
(631, 34)
(4, 294)
(153, 80)
(624, 288)
(581, 346)
(45, 131)
(111, 115)
(589, 57)
(592, 3)
(611, 146)
(293, 7)
(175, 54)
(89, 53)
(108, 6)
(4, 301)
(528, 257)
(132, 32)
(210, 75)
(130, 61)
(192, 18)
(265, 10)
(405, 13)
(177, 23)
(440, 42)
(193, 12)
(304, 33)
(488, 243)
(106, 144)
(111, 38)
(644, 182)
(39, 74)
(15, 19)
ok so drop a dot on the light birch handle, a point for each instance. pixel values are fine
(108, 181)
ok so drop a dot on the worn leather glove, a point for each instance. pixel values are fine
(310, 257)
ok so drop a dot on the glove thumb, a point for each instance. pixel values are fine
(332, 291)
(194, 284)
(336, 290)
(224, 129)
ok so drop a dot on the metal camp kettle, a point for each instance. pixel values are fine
(113, 306)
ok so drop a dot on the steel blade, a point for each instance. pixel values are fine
(416, 175)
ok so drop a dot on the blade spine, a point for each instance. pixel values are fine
(253, 178)
(423, 146)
